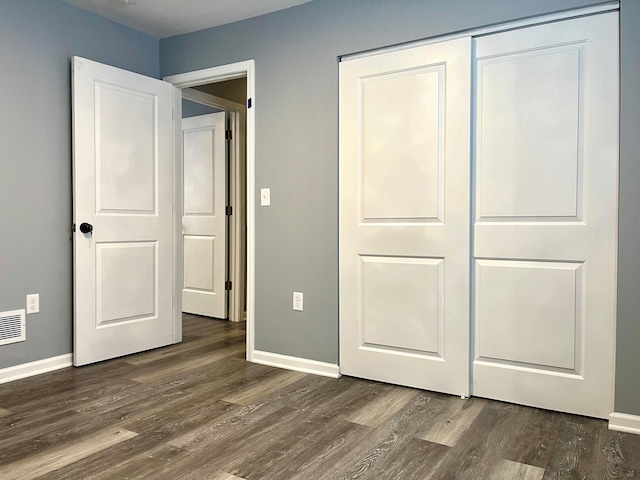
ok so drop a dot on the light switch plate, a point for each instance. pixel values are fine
(265, 197)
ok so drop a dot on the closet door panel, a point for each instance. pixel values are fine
(546, 167)
(404, 216)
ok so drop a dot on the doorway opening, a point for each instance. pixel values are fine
(214, 182)
(228, 88)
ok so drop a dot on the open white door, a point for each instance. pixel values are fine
(404, 216)
(123, 189)
(204, 220)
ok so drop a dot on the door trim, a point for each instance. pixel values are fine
(202, 77)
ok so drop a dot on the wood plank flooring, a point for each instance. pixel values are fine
(199, 411)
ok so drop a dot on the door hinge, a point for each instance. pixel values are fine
(228, 210)
(227, 285)
(228, 135)
(249, 103)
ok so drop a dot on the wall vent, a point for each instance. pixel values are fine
(12, 327)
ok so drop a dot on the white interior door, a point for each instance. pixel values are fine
(546, 215)
(404, 216)
(204, 220)
(122, 169)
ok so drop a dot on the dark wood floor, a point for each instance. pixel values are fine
(199, 411)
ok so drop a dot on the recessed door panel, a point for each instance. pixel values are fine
(530, 144)
(199, 251)
(126, 282)
(199, 180)
(529, 314)
(402, 304)
(126, 150)
(412, 189)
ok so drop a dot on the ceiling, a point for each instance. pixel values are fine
(166, 18)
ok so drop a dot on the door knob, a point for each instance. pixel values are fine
(86, 228)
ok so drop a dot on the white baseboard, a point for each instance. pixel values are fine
(296, 363)
(30, 369)
(623, 422)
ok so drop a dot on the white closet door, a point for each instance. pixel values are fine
(546, 215)
(404, 216)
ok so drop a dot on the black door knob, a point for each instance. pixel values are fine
(86, 228)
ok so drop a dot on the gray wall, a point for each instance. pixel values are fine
(37, 38)
(296, 54)
(628, 345)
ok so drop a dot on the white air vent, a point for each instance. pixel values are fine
(12, 327)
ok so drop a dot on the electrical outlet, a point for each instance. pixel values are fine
(297, 301)
(33, 303)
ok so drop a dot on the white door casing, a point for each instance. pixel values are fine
(545, 217)
(204, 220)
(122, 175)
(404, 216)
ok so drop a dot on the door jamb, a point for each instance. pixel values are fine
(192, 79)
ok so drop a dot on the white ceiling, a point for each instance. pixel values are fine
(166, 18)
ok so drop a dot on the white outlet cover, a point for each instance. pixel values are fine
(33, 303)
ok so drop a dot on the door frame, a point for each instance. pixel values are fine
(183, 81)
